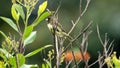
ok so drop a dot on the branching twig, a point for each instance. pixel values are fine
(81, 32)
(81, 14)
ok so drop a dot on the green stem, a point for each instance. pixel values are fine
(27, 16)
(17, 61)
(19, 29)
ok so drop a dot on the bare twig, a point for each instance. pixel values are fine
(99, 35)
(57, 52)
(95, 61)
(86, 7)
(81, 32)
(81, 14)
(74, 59)
(68, 64)
(106, 50)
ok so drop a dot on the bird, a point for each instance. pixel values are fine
(55, 27)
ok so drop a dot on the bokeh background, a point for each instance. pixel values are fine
(105, 13)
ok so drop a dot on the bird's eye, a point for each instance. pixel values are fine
(46, 19)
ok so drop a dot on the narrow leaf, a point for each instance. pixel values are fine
(10, 22)
(40, 18)
(7, 55)
(30, 38)
(48, 63)
(3, 54)
(36, 51)
(3, 34)
(27, 31)
(20, 10)
(29, 66)
(42, 8)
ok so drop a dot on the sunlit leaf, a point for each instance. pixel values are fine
(12, 61)
(30, 38)
(10, 22)
(115, 60)
(45, 66)
(14, 13)
(40, 18)
(2, 54)
(42, 8)
(2, 64)
(21, 60)
(20, 10)
(48, 63)
(27, 31)
(29, 66)
(37, 50)
(6, 54)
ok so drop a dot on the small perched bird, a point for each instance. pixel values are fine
(55, 27)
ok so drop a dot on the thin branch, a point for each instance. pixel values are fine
(73, 26)
(86, 7)
(57, 52)
(80, 6)
(99, 35)
(84, 30)
(68, 64)
(95, 61)
(100, 60)
(106, 50)
(74, 59)
(81, 14)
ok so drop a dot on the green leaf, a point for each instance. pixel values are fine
(40, 18)
(3, 34)
(3, 54)
(12, 61)
(42, 8)
(21, 60)
(10, 22)
(3, 51)
(19, 10)
(30, 38)
(115, 60)
(29, 66)
(2, 65)
(14, 13)
(27, 31)
(45, 66)
(36, 51)
(48, 63)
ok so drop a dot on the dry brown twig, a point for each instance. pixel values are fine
(84, 44)
(107, 50)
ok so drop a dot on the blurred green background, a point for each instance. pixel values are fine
(105, 13)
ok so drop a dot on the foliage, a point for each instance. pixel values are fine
(12, 51)
(113, 61)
